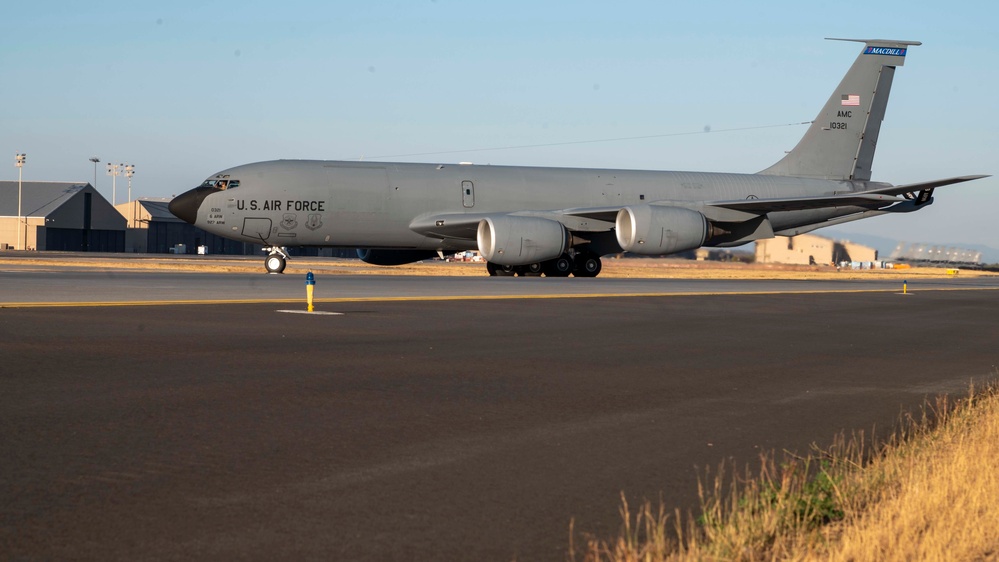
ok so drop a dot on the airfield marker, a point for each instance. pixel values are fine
(310, 287)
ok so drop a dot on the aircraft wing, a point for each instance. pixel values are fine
(762, 206)
(463, 226)
(739, 210)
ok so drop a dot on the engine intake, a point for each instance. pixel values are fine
(654, 230)
(515, 240)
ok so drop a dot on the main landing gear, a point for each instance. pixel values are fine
(583, 264)
(276, 260)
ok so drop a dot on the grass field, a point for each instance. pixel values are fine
(930, 493)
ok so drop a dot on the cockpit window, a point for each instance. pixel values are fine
(221, 183)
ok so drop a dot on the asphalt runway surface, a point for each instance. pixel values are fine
(39, 284)
(434, 430)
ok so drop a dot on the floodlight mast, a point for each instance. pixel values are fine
(129, 172)
(95, 160)
(114, 170)
(19, 159)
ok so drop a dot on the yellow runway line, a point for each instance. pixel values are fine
(445, 298)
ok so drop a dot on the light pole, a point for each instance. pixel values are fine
(95, 160)
(114, 170)
(129, 172)
(19, 159)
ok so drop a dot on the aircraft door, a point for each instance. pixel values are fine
(257, 228)
(467, 194)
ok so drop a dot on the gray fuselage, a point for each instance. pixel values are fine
(375, 205)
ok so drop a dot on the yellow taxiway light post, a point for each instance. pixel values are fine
(310, 287)
(905, 287)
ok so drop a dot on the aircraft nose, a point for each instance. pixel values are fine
(185, 206)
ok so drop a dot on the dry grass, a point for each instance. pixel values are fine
(943, 501)
(663, 268)
(932, 493)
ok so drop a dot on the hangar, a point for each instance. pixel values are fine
(64, 216)
(809, 249)
(153, 229)
(928, 254)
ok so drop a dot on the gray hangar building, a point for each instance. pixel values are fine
(60, 216)
(153, 229)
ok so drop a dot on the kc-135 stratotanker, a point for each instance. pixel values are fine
(560, 221)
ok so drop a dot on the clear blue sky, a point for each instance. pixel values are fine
(184, 89)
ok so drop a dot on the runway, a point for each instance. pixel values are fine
(57, 286)
(426, 429)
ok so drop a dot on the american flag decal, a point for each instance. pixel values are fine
(850, 99)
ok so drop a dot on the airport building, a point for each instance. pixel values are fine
(153, 229)
(928, 254)
(62, 216)
(809, 249)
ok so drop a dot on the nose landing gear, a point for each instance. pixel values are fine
(276, 260)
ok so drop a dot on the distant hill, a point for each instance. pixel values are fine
(885, 246)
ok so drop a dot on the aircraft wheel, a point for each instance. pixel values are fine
(274, 263)
(501, 270)
(530, 270)
(496, 270)
(559, 267)
(588, 266)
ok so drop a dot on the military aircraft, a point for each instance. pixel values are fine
(531, 221)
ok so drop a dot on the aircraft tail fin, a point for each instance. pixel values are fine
(840, 142)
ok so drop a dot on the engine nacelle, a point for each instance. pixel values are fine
(394, 257)
(653, 230)
(514, 240)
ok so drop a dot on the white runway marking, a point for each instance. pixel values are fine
(316, 312)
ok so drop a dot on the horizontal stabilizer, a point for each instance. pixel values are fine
(914, 187)
(872, 198)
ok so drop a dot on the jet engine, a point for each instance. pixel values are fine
(653, 230)
(394, 257)
(515, 240)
